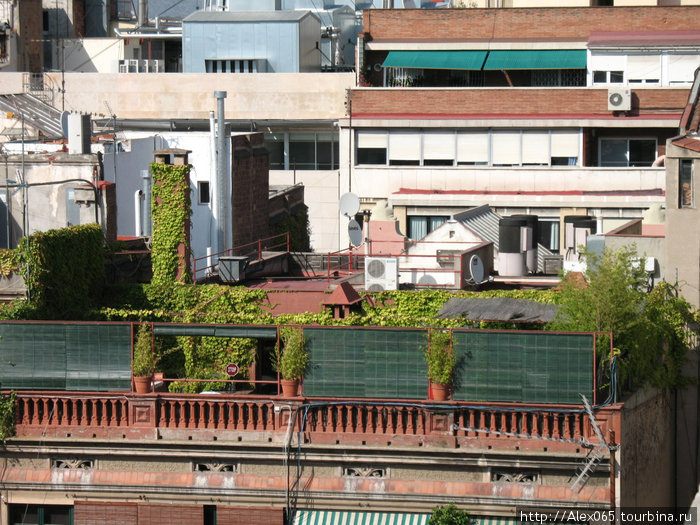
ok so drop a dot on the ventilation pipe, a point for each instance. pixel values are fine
(138, 210)
(221, 169)
(146, 189)
(142, 19)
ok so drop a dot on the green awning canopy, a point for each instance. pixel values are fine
(257, 332)
(330, 517)
(436, 59)
(536, 59)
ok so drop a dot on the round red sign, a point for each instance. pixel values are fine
(232, 369)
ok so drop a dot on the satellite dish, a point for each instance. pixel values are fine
(476, 266)
(355, 232)
(349, 204)
(64, 123)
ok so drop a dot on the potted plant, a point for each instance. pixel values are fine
(441, 363)
(291, 360)
(143, 364)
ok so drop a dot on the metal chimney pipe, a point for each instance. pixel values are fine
(146, 222)
(142, 19)
(221, 168)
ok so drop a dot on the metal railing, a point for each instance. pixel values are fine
(207, 264)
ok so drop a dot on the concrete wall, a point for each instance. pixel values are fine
(646, 458)
(285, 96)
(321, 195)
(48, 205)
(647, 246)
(682, 232)
(89, 55)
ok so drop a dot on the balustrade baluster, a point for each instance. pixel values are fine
(420, 421)
(567, 423)
(26, 404)
(182, 414)
(535, 424)
(113, 413)
(504, 424)
(240, 410)
(523, 420)
(555, 423)
(471, 423)
(514, 423)
(545, 426)
(577, 426)
(411, 414)
(371, 427)
(124, 413)
(400, 421)
(93, 412)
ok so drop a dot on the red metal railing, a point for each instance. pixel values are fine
(255, 250)
(322, 420)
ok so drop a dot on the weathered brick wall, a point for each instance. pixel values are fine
(30, 32)
(561, 23)
(105, 513)
(248, 515)
(160, 514)
(250, 189)
(509, 101)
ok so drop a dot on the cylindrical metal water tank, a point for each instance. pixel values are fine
(529, 241)
(511, 258)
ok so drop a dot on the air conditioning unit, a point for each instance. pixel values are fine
(619, 99)
(381, 273)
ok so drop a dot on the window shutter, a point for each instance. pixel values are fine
(535, 147)
(404, 146)
(473, 147)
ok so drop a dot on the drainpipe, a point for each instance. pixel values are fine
(146, 189)
(138, 210)
(221, 168)
(213, 191)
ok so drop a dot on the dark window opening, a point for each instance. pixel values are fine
(371, 156)
(203, 192)
(685, 183)
(41, 515)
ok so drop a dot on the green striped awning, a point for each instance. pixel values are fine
(536, 59)
(331, 517)
(436, 59)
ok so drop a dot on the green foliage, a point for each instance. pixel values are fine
(439, 356)
(7, 416)
(649, 329)
(299, 230)
(171, 211)
(144, 364)
(293, 359)
(63, 269)
(449, 515)
(8, 262)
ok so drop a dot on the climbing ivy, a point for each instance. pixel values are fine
(8, 262)
(7, 416)
(63, 271)
(171, 211)
(297, 225)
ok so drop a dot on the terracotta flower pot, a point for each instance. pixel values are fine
(142, 385)
(440, 392)
(290, 387)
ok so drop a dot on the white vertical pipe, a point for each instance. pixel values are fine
(138, 232)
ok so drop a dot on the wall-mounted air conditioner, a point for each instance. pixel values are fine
(619, 99)
(381, 273)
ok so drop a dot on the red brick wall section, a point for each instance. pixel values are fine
(30, 32)
(250, 189)
(510, 101)
(104, 513)
(163, 514)
(560, 23)
(248, 516)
